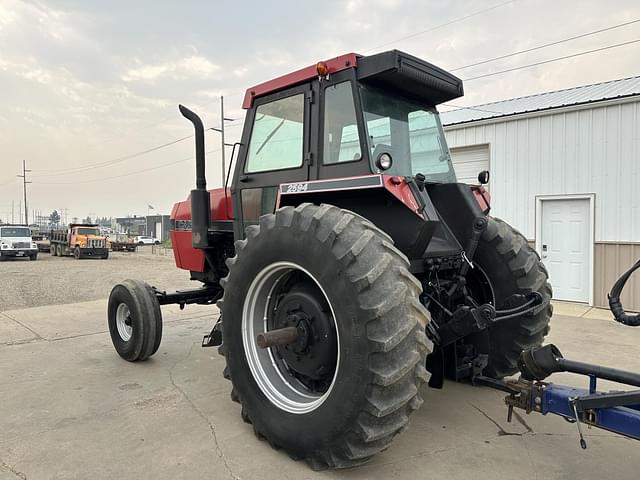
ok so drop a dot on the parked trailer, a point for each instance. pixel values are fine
(81, 240)
(119, 242)
(41, 242)
(123, 247)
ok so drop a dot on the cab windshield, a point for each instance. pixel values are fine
(88, 231)
(14, 232)
(410, 131)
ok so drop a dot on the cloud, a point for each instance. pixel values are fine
(28, 71)
(194, 66)
(50, 23)
(7, 16)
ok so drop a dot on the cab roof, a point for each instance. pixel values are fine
(349, 60)
(393, 69)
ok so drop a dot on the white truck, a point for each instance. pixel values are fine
(16, 241)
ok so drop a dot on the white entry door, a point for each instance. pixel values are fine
(159, 231)
(565, 247)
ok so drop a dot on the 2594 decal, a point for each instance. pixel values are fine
(297, 187)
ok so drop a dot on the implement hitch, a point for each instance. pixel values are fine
(617, 412)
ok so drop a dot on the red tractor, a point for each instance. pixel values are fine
(346, 260)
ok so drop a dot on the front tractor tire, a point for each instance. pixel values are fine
(512, 267)
(345, 387)
(135, 320)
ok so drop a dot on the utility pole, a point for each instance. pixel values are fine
(222, 143)
(12, 211)
(224, 170)
(24, 188)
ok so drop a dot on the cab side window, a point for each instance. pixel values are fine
(341, 139)
(277, 137)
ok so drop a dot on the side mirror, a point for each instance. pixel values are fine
(483, 177)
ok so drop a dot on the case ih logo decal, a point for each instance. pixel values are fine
(370, 181)
(181, 224)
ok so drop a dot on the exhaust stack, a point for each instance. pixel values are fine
(200, 200)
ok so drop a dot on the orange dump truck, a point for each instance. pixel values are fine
(81, 240)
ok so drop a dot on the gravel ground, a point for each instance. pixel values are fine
(59, 280)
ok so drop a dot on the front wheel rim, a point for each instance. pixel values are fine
(282, 391)
(123, 322)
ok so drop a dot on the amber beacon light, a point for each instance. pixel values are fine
(322, 68)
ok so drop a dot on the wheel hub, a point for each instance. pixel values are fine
(297, 379)
(313, 354)
(123, 322)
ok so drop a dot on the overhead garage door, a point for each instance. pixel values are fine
(469, 161)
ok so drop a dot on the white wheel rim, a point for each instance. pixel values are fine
(288, 395)
(123, 315)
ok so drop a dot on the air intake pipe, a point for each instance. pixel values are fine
(200, 200)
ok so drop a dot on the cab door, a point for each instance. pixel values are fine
(275, 149)
(342, 141)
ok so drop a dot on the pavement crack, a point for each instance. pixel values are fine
(9, 468)
(38, 336)
(212, 428)
(501, 431)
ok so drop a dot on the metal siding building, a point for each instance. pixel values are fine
(565, 171)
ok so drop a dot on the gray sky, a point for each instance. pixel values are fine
(83, 83)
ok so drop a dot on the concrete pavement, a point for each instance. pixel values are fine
(70, 408)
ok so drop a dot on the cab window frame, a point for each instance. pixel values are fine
(298, 91)
(326, 88)
(337, 78)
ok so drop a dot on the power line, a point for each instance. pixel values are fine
(608, 47)
(165, 120)
(126, 174)
(436, 27)
(558, 42)
(107, 163)
(66, 171)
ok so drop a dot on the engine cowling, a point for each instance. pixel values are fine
(187, 257)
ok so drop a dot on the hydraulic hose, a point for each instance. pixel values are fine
(615, 305)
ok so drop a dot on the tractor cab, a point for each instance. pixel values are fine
(351, 123)
(371, 114)
(347, 117)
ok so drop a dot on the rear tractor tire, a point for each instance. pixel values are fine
(345, 387)
(135, 320)
(512, 267)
